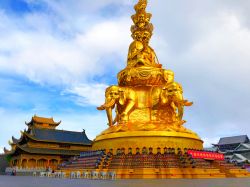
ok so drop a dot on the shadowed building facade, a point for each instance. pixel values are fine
(42, 146)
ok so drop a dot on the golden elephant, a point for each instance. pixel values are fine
(173, 94)
(123, 98)
(170, 96)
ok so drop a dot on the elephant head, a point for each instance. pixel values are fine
(123, 97)
(172, 94)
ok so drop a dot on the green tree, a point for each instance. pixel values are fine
(8, 158)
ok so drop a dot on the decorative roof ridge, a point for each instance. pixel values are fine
(234, 136)
(15, 140)
(83, 132)
(39, 119)
(7, 152)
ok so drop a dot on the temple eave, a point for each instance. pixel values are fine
(48, 151)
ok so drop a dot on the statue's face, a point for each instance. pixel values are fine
(146, 37)
(138, 36)
(141, 18)
(113, 93)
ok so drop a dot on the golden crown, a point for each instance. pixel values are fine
(141, 18)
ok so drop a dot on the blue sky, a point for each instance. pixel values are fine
(57, 58)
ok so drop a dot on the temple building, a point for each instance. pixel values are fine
(231, 143)
(43, 146)
(236, 149)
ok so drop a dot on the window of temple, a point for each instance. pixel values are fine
(53, 163)
(32, 163)
(42, 163)
(24, 163)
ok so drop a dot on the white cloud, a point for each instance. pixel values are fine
(207, 45)
(88, 94)
(11, 124)
(37, 54)
(209, 141)
(93, 124)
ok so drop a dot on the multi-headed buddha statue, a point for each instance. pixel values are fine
(147, 97)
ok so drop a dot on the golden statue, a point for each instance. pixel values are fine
(147, 98)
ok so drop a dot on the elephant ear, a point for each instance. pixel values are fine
(122, 98)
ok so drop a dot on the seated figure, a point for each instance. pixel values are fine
(140, 53)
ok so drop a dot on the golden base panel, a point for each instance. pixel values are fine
(149, 139)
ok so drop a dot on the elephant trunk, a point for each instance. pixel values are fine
(109, 115)
(180, 112)
(107, 104)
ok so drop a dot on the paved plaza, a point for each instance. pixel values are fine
(16, 181)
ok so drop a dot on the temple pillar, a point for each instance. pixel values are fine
(48, 164)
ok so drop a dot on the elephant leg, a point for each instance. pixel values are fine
(124, 115)
(116, 120)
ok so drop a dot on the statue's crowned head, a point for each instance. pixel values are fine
(142, 23)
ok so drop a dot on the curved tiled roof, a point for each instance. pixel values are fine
(60, 136)
(233, 140)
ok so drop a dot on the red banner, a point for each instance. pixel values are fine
(206, 155)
